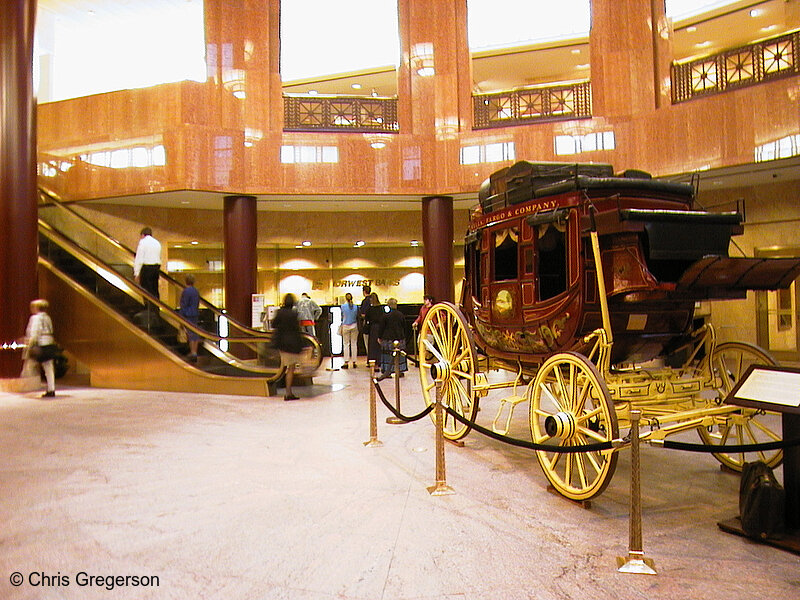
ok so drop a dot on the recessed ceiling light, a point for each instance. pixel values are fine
(756, 12)
(306, 243)
(705, 44)
(194, 242)
(359, 243)
(583, 66)
(691, 29)
(769, 28)
(312, 92)
(356, 86)
(184, 202)
(415, 242)
(576, 50)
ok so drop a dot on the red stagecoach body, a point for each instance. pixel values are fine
(531, 286)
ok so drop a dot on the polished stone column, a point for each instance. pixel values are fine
(240, 233)
(18, 202)
(437, 239)
(434, 79)
(623, 54)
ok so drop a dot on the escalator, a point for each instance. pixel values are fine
(127, 338)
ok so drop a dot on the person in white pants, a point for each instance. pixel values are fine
(39, 339)
(349, 330)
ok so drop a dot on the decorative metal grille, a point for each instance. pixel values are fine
(339, 113)
(551, 103)
(740, 67)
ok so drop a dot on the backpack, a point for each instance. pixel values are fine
(762, 501)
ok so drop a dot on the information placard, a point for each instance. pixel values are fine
(770, 388)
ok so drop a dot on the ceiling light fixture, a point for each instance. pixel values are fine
(356, 86)
(756, 12)
(415, 242)
(359, 243)
(306, 243)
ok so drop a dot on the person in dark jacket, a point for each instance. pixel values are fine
(288, 341)
(190, 310)
(375, 314)
(391, 329)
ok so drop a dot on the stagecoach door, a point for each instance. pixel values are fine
(525, 263)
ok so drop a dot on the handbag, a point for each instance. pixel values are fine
(44, 353)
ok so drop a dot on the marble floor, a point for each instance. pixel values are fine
(231, 497)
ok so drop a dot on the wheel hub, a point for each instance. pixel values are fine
(560, 425)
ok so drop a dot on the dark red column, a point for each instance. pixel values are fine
(240, 231)
(437, 239)
(18, 225)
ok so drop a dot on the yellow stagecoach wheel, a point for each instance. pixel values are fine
(446, 333)
(747, 426)
(571, 406)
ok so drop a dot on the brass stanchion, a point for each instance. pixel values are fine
(373, 418)
(636, 561)
(440, 488)
(393, 420)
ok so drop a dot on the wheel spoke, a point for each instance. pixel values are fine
(593, 434)
(581, 469)
(756, 423)
(563, 386)
(581, 402)
(586, 416)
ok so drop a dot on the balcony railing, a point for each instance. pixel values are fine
(339, 113)
(518, 107)
(741, 67)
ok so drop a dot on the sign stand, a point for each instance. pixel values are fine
(776, 389)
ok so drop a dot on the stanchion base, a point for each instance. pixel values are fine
(395, 421)
(441, 489)
(331, 369)
(458, 443)
(373, 443)
(636, 563)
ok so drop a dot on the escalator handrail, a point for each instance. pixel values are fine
(95, 264)
(52, 198)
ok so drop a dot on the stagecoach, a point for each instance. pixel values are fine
(583, 284)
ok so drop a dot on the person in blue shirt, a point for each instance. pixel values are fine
(349, 330)
(190, 310)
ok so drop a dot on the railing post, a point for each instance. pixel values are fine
(393, 420)
(636, 561)
(440, 488)
(373, 441)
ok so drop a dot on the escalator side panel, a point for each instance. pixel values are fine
(121, 356)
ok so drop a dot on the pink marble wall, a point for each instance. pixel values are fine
(203, 127)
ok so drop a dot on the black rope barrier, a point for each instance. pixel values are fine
(488, 432)
(597, 447)
(410, 357)
(731, 448)
(526, 444)
(397, 413)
